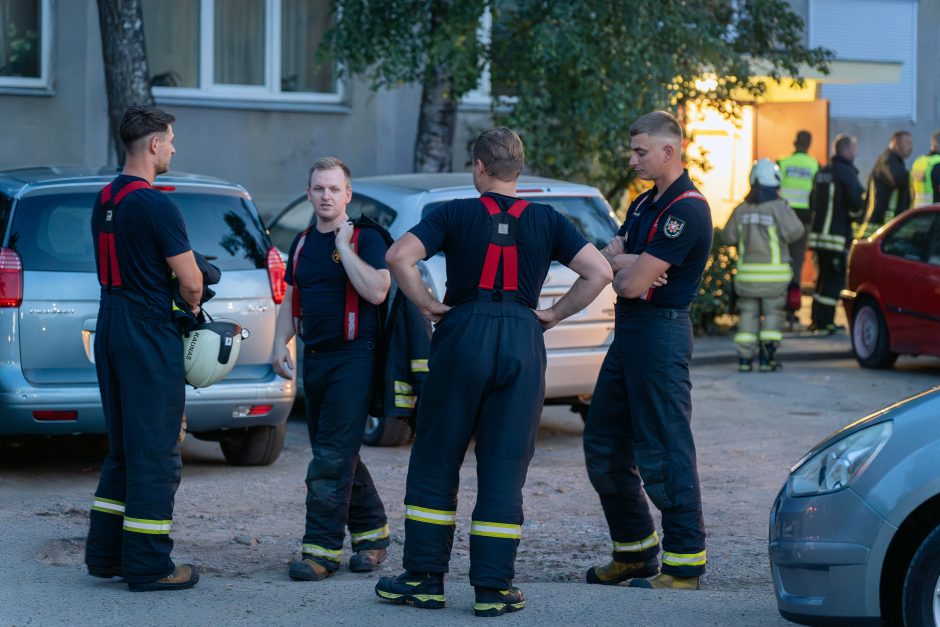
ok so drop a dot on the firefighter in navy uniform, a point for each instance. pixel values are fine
(889, 191)
(487, 371)
(140, 242)
(637, 434)
(337, 278)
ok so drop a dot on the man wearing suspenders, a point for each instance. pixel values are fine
(140, 240)
(638, 434)
(337, 278)
(487, 371)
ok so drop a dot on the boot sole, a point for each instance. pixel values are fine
(155, 586)
(299, 573)
(423, 601)
(105, 572)
(487, 610)
(642, 573)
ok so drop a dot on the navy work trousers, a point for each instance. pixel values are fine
(139, 359)
(486, 381)
(638, 436)
(340, 491)
(830, 280)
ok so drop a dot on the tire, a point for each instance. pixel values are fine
(253, 446)
(920, 602)
(386, 432)
(870, 340)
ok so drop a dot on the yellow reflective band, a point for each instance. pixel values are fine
(684, 559)
(108, 506)
(825, 300)
(419, 365)
(495, 530)
(375, 534)
(771, 336)
(403, 400)
(745, 337)
(403, 387)
(430, 516)
(143, 525)
(482, 607)
(632, 547)
(319, 551)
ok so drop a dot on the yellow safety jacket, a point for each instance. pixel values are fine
(922, 184)
(796, 179)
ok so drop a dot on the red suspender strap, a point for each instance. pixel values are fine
(652, 233)
(295, 293)
(109, 272)
(351, 314)
(494, 251)
(491, 262)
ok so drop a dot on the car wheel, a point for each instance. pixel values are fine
(253, 446)
(921, 596)
(386, 431)
(870, 336)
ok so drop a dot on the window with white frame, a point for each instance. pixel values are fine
(25, 38)
(240, 49)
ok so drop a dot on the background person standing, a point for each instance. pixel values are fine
(925, 175)
(889, 191)
(796, 182)
(140, 242)
(337, 278)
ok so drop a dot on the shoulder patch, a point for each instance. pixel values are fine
(673, 227)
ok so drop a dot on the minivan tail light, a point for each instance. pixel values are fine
(11, 278)
(276, 275)
(55, 414)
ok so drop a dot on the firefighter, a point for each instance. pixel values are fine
(638, 430)
(337, 279)
(889, 191)
(760, 228)
(836, 201)
(925, 175)
(140, 243)
(487, 371)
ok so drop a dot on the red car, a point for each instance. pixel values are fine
(892, 299)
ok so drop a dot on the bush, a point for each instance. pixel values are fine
(714, 297)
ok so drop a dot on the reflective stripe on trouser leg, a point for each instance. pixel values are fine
(627, 551)
(146, 525)
(381, 533)
(745, 340)
(315, 550)
(684, 560)
(367, 523)
(108, 506)
(611, 466)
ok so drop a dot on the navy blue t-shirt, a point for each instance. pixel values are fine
(322, 281)
(461, 229)
(148, 228)
(683, 239)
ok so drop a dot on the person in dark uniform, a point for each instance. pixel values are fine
(337, 278)
(889, 185)
(140, 242)
(637, 434)
(487, 371)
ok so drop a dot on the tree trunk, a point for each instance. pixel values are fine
(125, 62)
(436, 123)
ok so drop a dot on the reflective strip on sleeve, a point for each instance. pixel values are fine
(495, 530)
(430, 516)
(144, 525)
(683, 559)
(375, 534)
(406, 401)
(108, 506)
(419, 365)
(771, 336)
(318, 551)
(403, 387)
(634, 547)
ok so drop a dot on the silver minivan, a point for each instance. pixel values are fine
(49, 304)
(575, 348)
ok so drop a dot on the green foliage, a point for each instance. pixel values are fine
(714, 295)
(23, 53)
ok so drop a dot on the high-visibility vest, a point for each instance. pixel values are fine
(796, 178)
(922, 179)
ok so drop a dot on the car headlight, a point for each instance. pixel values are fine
(834, 467)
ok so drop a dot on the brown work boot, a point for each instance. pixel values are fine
(662, 581)
(308, 569)
(616, 572)
(366, 560)
(183, 576)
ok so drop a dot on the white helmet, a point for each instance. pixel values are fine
(210, 351)
(765, 172)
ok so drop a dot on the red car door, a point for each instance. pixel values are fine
(910, 284)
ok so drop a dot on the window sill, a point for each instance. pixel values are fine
(252, 104)
(15, 90)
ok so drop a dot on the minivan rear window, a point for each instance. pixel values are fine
(589, 215)
(52, 232)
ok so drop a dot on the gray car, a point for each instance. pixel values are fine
(855, 531)
(49, 296)
(575, 348)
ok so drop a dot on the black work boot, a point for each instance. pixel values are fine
(367, 560)
(105, 572)
(745, 364)
(309, 569)
(616, 572)
(663, 581)
(768, 360)
(493, 602)
(424, 590)
(183, 576)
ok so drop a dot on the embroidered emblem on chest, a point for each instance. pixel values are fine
(335, 256)
(673, 227)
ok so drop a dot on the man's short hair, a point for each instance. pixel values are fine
(141, 120)
(501, 151)
(328, 163)
(659, 123)
(803, 140)
(897, 135)
(935, 140)
(841, 143)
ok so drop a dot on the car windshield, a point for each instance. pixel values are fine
(52, 232)
(589, 215)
